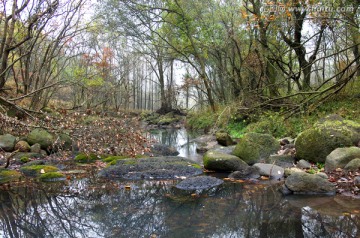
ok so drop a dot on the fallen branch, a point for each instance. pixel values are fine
(9, 158)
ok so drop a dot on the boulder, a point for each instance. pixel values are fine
(255, 147)
(62, 141)
(169, 167)
(35, 148)
(325, 136)
(22, 146)
(214, 160)
(340, 157)
(284, 161)
(270, 170)
(7, 142)
(303, 164)
(290, 171)
(353, 165)
(224, 139)
(250, 172)
(163, 150)
(199, 183)
(304, 183)
(357, 180)
(42, 137)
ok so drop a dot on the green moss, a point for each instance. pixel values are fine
(51, 176)
(35, 170)
(86, 158)
(8, 175)
(24, 159)
(254, 147)
(197, 166)
(114, 158)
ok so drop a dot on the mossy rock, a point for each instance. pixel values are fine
(112, 160)
(42, 137)
(28, 155)
(224, 139)
(254, 147)
(63, 141)
(340, 157)
(86, 158)
(217, 161)
(37, 170)
(22, 146)
(52, 177)
(353, 165)
(7, 142)
(318, 142)
(7, 175)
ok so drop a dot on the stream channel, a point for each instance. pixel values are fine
(91, 207)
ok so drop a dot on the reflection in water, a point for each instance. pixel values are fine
(180, 139)
(93, 208)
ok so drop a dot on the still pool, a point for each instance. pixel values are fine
(89, 207)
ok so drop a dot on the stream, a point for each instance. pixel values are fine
(86, 206)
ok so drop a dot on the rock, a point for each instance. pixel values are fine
(255, 147)
(21, 155)
(37, 170)
(353, 165)
(284, 190)
(290, 171)
(7, 175)
(284, 161)
(340, 157)
(357, 180)
(7, 142)
(214, 160)
(163, 150)
(303, 164)
(323, 175)
(35, 148)
(325, 136)
(202, 148)
(270, 170)
(42, 137)
(152, 168)
(224, 139)
(22, 146)
(199, 183)
(62, 141)
(250, 172)
(304, 183)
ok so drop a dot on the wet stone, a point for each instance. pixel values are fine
(199, 183)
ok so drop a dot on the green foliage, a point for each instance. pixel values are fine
(113, 159)
(237, 129)
(201, 120)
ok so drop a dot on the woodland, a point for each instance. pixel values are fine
(237, 58)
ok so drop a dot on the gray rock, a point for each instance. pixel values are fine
(284, 161)
(152, 168)
(304, 183)
(270, 170)
(35, 148)
(163, 150)
(340, 157)
(353, 165)
(247, 173)
(214, 160)
(199, 183)
(284, 190)
(290, 171)
(357, 180)
(62, 141)
(254, 147)
(303, 164)
(7, 142)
